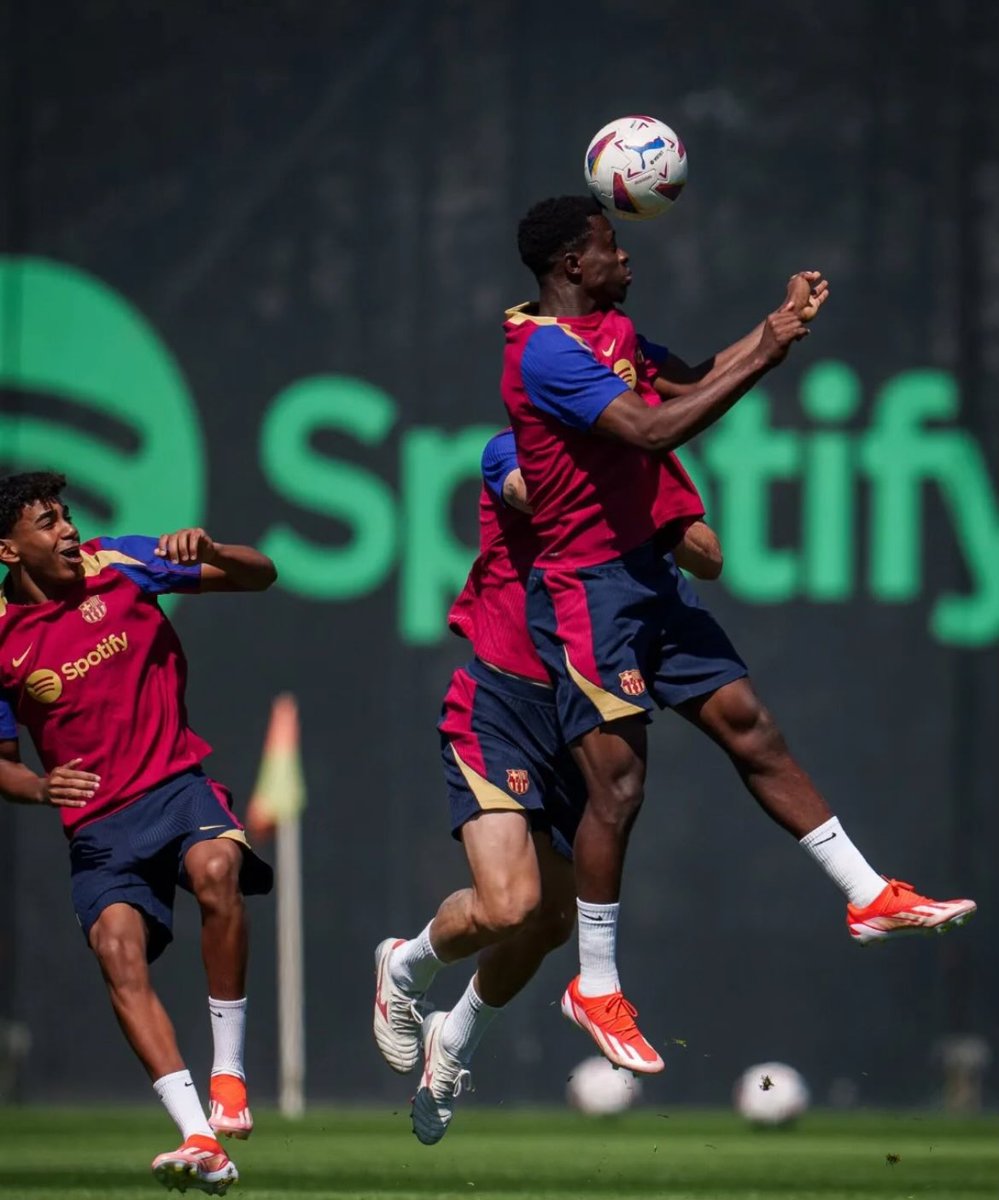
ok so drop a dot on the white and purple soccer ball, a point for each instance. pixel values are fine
(770, 1093)
(636, 167)
(598, 1089)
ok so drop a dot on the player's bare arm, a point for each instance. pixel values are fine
(515, 491)
(664, 427)
(224, 567)
(65, 787)
(807, 291)
(699, 552)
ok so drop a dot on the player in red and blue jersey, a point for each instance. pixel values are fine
(516, 799)
(595, 428)
(92, 668)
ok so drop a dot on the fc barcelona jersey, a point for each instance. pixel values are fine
(99, 675)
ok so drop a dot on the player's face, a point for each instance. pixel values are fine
(604, 265)
(46, 544)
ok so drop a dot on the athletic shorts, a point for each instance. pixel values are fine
(503, 749)
(136, 855)
(624, 636)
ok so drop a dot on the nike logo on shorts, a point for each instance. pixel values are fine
(205, 828)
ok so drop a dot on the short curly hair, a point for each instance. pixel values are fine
(18, 491)
(552, 227)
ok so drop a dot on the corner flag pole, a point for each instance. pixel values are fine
(276, 806)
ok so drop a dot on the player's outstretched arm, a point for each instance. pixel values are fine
(65, 787)
(699, 552)
(224, 567)
(663, 427)
(807, 291)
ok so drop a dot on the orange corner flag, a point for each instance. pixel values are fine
(279, 793)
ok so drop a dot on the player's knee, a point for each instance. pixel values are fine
(753, 736)
(504, 911)
(618, 800)
(216, 880)
(122, 956)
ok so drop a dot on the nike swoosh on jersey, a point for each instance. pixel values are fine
(16, 662)
(609, 350)
(205, 828)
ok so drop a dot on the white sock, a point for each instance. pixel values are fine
(597, 948)
(466, 1023)
(228, 1035)
(414, 964)
(180, 1099)
(843, 863)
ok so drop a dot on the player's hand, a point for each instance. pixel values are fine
(66, 787)
(807, 291)
(186, 546)
(780, 329)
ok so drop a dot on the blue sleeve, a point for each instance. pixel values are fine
(563, 378)
(655, 353)
(498, 459)
(8, 722)
(151, 573)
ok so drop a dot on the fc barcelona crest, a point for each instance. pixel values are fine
(632, 683)
(93, 609)
(517, 780)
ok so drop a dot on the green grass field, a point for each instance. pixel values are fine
(498, 1154)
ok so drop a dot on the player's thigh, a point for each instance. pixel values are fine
(736, 719)
(503, 863)
(612, 760)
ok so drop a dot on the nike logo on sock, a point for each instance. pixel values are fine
(824, 840)
(219, 1015)
(189, 1083)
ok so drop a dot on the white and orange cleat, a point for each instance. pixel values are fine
(200, 1162)
(900, 909)
(444, 1079)
(610, 1021)
(230, 1113)
(398, 1016)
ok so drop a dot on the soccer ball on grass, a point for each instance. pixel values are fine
(600, 1090)
(770, 1093)
(636, 167)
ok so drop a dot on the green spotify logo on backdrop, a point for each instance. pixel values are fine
(859, 495)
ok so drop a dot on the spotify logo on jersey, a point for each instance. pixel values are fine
(43, 685)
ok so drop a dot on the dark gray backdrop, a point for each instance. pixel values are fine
(298, 188)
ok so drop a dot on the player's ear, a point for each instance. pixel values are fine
(8, 553)
(572, 265)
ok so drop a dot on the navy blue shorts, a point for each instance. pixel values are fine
(136, 855)
(625, 636)
(503, 749)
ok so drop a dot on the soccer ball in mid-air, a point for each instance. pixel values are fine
(636, 167)
(600, 1090)
(770, 1093)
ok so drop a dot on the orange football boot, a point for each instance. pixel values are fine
(900, 909)
(200, 1162)
(610, 1021)
(230, 1113)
